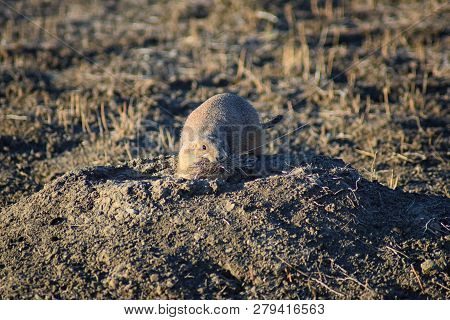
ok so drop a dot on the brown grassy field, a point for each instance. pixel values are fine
(87, 83)
(102, 82)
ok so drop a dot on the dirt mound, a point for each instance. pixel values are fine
(310, 227)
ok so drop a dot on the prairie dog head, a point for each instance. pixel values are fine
(195, 150)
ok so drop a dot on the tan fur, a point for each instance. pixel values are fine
(223, 125)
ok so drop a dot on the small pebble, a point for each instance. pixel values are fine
(132, 211)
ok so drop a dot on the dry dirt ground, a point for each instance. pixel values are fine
(92, 99)
(310, 227)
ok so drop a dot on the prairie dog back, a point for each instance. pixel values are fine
(220, 111)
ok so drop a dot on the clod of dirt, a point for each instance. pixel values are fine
(427, 266)
(304, 227)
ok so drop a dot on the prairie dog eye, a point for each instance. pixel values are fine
(204, 147)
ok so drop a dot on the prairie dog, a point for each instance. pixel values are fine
(223, 125)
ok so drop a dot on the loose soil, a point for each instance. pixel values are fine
(306, 227)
